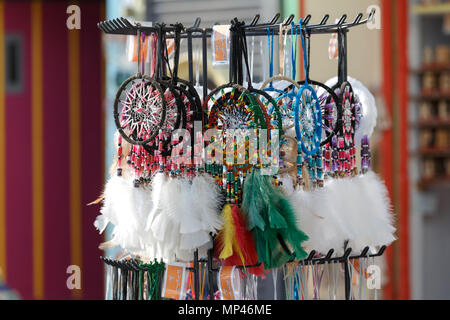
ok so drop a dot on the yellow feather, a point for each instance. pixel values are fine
(227, 234)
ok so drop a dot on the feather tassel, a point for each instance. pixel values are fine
(272, 220)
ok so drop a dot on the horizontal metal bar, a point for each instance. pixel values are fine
(125, 27)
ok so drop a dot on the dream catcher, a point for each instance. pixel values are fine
(341, 148)
(233, 108)
(331, 111)
(371, 204)
(312, 200)
(308, 129)
(365, 121)
(139, 114)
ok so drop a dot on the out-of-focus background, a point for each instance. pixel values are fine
(56, 91)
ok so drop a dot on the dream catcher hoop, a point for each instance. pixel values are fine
(139, 108)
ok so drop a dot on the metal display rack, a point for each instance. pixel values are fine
(123, 26)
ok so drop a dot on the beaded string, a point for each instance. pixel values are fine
(365, 154)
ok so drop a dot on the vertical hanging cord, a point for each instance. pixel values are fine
(309, 54)
(294, 50)
(285, 54)
(142, 53)
(270, 34)
(280, 53)
(176, 55)
(244, 51)
(305, 61)
(138, 39)
(252, 57)
(263, 56)
(158, 71)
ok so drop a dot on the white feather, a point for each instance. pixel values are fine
(100, 223)
(119, 208)
(158, 185)
(205, 196)
(376, 206)
(183, 206)
(364, 209)
(319, 217)
(286, 184)
(192, 241)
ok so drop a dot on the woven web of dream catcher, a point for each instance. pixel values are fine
(231, 110)
(308, 119)
(141, 110)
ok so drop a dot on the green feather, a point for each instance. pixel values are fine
(292, 234)
(252, 204)
(276, 220)
(270, 216)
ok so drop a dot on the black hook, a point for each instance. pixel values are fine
(358, 18)
(255, 20)
(329, 254)
(108, 27)
(324, 19)
(306, 20)
(310, 256)
(118, 23)
(275, 18)
(126, 22)
(197, 22)
(346, 254)
(381, 251)
(364, 252)
(342, 19)
(288, 20)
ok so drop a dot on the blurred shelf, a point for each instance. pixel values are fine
(432, 123)
(432, 9)
(437, 68)
(432, 96)
(425, 183)
(434, 152)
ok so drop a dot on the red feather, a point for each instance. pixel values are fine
(246, 244)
